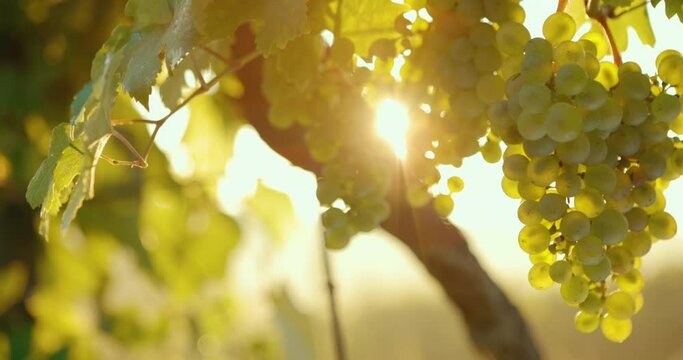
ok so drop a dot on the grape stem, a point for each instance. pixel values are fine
(602, 20)
(562, 5)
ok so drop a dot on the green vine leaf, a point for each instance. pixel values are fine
(671, 8)
(148, 12)
(144, 65)
(283, 21)
(636, 18)
(365, 22)
(40, 184)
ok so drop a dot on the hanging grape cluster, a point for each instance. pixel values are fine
(590, 164)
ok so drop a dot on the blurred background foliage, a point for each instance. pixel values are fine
(146, 273)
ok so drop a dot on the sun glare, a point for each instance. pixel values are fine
(392, 125)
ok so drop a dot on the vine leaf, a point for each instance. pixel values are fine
(636, 18)
(148, 12)
(671, 8)
(218, 19)
(144, 65)
(365, 22)
(299, 61)
(274, 209)
(42, 180)
(283, 20)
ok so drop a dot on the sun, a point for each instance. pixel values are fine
(392, 125)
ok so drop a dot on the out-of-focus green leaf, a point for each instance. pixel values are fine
(148, 12)
(283, 21)
(296, 328)
(364, 22)
(299, 61)
(274, 209)
(41, 182)
(218, 19)
(636, 18)
(13, 279)
(180, 36)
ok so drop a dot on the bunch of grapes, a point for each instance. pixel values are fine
(589, 155)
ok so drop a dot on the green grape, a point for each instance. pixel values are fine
(338, 238)
(610, 115)
(589, 46)
(575, 151)
(541, 48)
(541, 147)
(589, 250)
(600, 177)
(629, 67)
(575, 225)
(665, 108)
(670, 69)
(418, 196)
(512, 37)
(514, 167)
(487, 59)
(535, 68)
(574, 291)
(510, 188)
(644, 195)
(625, 141)
(586, 322)
(639, 300)
(529, 191)
(327, 191)
(571, 79)
(592, 97)
(652, 164)
(539, 276)
(592, 304)
(497, 113)
(662, 55)
(611, 226)
(631, 282)
(620, 305)
(652, 132)
(599, 271)
(637, 219)
(467, 105)
(552, 206)
(563, 122)
(622, 260)
(635, 112)
(534, 239)
(534, 97)
(456, 184)
(491, 152)
(597, 149)
(531, 125)
(483, 34)
(621, 205)
(634, 85)
(568, 184)
(590, 202)
(594, 43)
(490, 88)
(659, 204)
(638, 242)
(464, 75)
(560, 271)
(462, 50)
(443, 205)
(615, 329)
(608, 75)
(591, 121)
(543, 171)
(334, 218)
(546, 256)
(569, 52)
(559, 27)
(528, 213)
(662, 225)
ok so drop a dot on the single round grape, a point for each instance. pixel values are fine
(611, 226)
(569, 52)
(539, 47)
(670, 69)
(597, 151)
(334, 218)
(539, 276)
(638, 242)
(574, 291)
(514, 167)
(659, 204)
(589, 250)
(563, 122)
(327, 191)
(443, 205)
(662, 55)
(559, 27)
(621, 259)
(510, 188)
(491, 152)
(575, 151)
(571, 79)
(338, 238)
(533, 239)
(625, 141)
(597, 41)
(620, 305)
(534, 97)
(592, 66)
(464, 75)
(590, 202)
(662, 225)
(482, 34)
(631, 282)
(635, 112)
(665, 107)
(543, 171)
(589, 46)
(599, 271)
(652, 164)
(592, 304)
(528, 213)
(529, 191)
(600, 177)
(615, 329)
(541, 147)
(592, 97)
(644, 195)
(652, 132)
(634, 85)
(552, 206)
(531, 125)
(568, 184)
(462, 50)
(610, 115)
(487, 59)
(456, 184)
(560, 271)
(575, 225)
(586, 322)
(608, 75)
(490, 88)
(546, 256)
(512, 38)
(637, 219)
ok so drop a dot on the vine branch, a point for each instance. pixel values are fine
(336, 324)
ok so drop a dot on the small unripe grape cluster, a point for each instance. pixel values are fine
(589, 160)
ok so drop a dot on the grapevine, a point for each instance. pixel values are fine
(587, 145)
